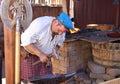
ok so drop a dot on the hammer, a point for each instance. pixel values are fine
(48, 62)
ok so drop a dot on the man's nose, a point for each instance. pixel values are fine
(60, 33)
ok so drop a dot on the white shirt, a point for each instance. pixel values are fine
(39, 33)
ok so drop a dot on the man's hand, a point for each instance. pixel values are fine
(43, 58)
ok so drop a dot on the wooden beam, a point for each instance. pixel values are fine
(9, 45)
(1, 56)
(9, 48)
(68, 6)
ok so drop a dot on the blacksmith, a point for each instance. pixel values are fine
(40, 39)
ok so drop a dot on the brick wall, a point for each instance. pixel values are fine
(72, 56)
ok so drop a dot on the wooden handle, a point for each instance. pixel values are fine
(17, 58)
(37, 62)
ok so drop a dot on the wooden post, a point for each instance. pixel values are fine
(1, 56)
(9, 44)
(117, 17)
(68, 6)
(64, 6)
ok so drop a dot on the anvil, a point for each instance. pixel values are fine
(53, 79)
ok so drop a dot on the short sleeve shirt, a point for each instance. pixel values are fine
(39, 33)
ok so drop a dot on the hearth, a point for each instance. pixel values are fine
(74, 55)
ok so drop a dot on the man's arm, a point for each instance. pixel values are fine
(34, 50)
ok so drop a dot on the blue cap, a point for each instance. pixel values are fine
(65, 20)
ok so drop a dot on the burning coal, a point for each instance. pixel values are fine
(74, 31)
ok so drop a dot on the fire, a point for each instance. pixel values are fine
(74, 31)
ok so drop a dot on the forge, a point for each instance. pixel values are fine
(73, 55)
(94, 52)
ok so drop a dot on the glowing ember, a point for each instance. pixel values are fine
(74, 31)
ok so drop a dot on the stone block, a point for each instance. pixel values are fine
(95, 68)
(113, 71)
(99, 81)
(101, 76)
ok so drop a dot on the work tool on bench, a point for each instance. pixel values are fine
(53, 79)
(16, 13)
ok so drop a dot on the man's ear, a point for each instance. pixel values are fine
(56, 21)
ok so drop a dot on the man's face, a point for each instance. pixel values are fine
(58, 28)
